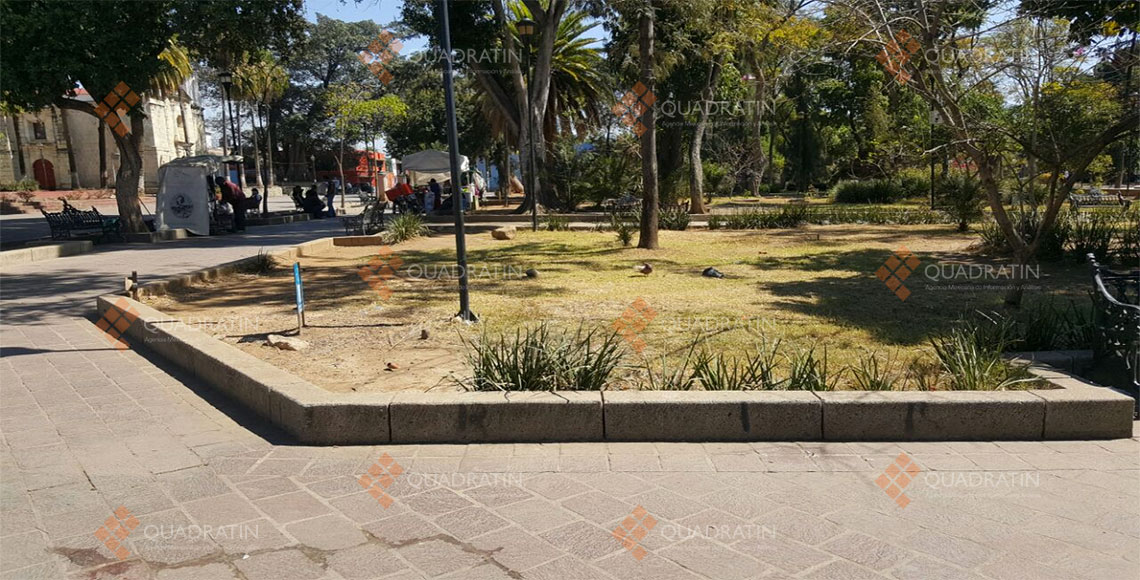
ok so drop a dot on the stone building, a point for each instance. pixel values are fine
(174, 128)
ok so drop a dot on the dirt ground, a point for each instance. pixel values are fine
(807, 287)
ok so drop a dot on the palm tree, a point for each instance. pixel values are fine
(263, 81)
(578, 87)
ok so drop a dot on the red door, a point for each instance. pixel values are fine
(45, 173)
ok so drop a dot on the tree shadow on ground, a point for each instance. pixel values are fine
(856, 297)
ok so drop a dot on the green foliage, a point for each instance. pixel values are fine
(971, 359)
(870, 375)
(556, 223)
(808, 373)
(1092, 233)
(25, 184)
(914, 183)
(962, 194)
(717, 180)
(404, 227)
(792, 215)
(868, 191)
(261, 264)
(673, 218)
(541, 358)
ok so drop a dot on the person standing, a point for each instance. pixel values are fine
(233, 195)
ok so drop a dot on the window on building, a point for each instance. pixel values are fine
(39, 131)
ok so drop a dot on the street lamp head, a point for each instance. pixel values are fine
(226, 78)
(526, 28)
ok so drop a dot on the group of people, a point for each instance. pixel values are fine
(231, 194)
(310, 201)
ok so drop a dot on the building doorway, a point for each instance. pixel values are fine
(45, 173)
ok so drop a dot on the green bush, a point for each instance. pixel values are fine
(556, 223)
(1092, 233)
(25, 184)
(1128, 250)
(971, 365)
(404, 227)
(869, 191)
(962, 195)
(673, 218)
(543, 359)
(914, 183)
(1052, 245)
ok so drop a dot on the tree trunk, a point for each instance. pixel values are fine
(72, 172)
(649, 209)
(237, 145)
(19, 147)
(505, 172)
(185, 123)
(269, 146)
(696, 170)
(128, 179)
(102, 154)
(256, 150)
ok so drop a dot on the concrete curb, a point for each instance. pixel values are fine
(1075, 409)
(45, 252)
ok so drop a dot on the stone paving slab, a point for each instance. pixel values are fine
(92, 437)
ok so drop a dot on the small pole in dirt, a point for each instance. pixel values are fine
(300, 296)
(132, 284)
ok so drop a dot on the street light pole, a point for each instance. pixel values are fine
(225, 79)
(457, 197)
(526, 29)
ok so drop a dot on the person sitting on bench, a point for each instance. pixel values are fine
(313, 204)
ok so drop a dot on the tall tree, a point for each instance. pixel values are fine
(75, 47)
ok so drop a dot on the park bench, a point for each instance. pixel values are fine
(71, 221)
(1097, 200)
(369, 221)
(624, 203)
(1116, 316)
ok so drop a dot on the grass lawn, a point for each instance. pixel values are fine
(808, 287)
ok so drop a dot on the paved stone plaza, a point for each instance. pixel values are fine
(101, 444)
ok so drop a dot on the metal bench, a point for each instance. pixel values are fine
(1116, 316)
(1097, 200)
(369, 221)
(71, 221)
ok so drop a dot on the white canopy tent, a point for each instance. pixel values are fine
(183, 199)
(427, 165)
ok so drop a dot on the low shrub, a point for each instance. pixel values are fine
(404, 227)
(867, 191)
(914, 183)
(25, 184)
(543, 359)
(556, 223)
(962, 196)
(971, 364)
(673, 218)
(1092, 233)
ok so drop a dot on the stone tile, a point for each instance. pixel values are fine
(401, 528)
(598, 507)
(785, 554)
(222, 510)
(290, 564)
(565, 568)
(583, 540)
(865, 550)
(435, 502)
(469, 522)
(535, 515)
(842, 570)
(192, 484)
(713, 559)
(291, 507)
(365, 562)
(266, 487)
(253, 536)
(516, 549)
(553, 485)
(436, 557)
(330, 532)
(22, 550)
(205, 572)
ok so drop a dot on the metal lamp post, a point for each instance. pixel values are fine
(313, 160)
(457, 197)
(526, 28)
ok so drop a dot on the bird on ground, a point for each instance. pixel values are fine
(645, 269)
